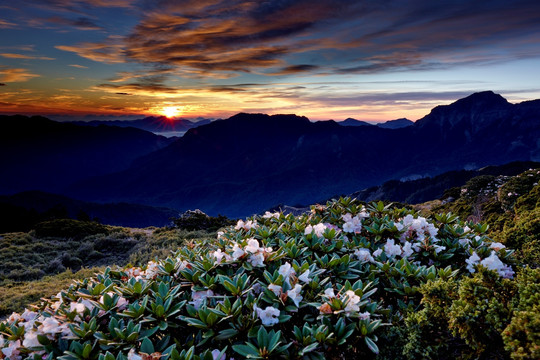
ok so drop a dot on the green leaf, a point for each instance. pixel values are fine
(147, 347)
(371, 345)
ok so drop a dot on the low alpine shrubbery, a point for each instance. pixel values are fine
(324, 285)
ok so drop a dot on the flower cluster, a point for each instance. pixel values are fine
(272, 286)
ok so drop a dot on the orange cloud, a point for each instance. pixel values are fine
(78, 66)
(15, 75)
(20, 56)
(110, 51)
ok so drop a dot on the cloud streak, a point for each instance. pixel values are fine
(15, 75)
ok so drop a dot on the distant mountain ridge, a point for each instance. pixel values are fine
(390, 124)
(251, 162)
(41, 154)
(151, 123)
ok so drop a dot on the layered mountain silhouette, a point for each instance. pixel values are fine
(40, 154)
(390, 124)
(151, 123)
(251, 162)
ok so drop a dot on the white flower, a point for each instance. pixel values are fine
(133, 356)
(220, 234)
(122, 303)
(399, 226)
(407, 250)
(364, 315)
(352, 302)
(152, 270)
(464, 242)
(276, 289)
(318, 229)
(50, 326)
(256, 259)
(304, 277)
(12, 351)
(391, 249)
(492, 262)
(237, 252)
(352, 224)
(77, 307)
(13, 318)
(377, 252)
(252, 246)
(439, 248)
(220, 255)
(268, 215)
(294, 294)
(364, 255)
(199, 297)
(286, 270)
(248, 225)
(28, 315)
(268, 316)
(472, 261)
(496, 246)
(30, 339)
(329, 293)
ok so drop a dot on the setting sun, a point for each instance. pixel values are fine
(171, 111)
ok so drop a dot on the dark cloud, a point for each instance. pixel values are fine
(122, 93)
(2, 84)
(336, 36)
(81, 23)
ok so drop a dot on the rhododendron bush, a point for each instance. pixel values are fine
(321, 285)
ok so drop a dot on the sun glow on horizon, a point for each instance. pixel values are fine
(171, 111)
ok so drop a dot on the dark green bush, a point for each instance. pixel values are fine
(69, 228)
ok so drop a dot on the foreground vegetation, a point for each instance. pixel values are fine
(345, 281)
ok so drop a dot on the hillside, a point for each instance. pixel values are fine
(251, 162)
(22, 211)
(40, 154)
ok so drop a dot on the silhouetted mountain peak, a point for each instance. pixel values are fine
(396, 124)
(354, 122)
(475, 111)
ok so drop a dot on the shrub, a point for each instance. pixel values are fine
(522, 336)
(320, 285)
(69, 228)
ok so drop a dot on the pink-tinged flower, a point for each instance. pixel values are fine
(199, 297)
(352, 224)
(268, 316)
(215, 355)
(30, 339)
(256, 259)
(294, 294)
(363, 255)
(12, 351)
(392, 249)
(276, 289)
(13, 318)
(472, 261)
(305, 276)
(122, 303)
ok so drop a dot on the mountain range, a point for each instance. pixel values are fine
(152, 123)
(251, 162)
(390, 124)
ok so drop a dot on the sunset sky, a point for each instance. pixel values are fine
(370, 60)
